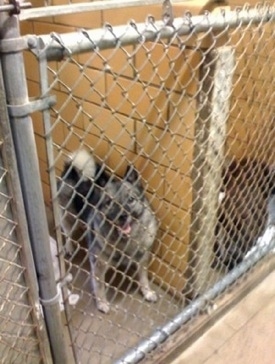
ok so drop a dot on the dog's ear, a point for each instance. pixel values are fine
(132, 175)
(101, 176)
(70, 172)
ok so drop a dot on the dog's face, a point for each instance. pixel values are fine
(120, 206)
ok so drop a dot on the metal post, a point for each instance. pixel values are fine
(25, 149)
(44, 87)
(18, 215)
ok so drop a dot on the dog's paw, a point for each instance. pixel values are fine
(103, 306)
(68, 278)
(149, 295)
(69, 248)
(73, 298)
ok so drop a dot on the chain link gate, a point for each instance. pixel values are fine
(189, 102)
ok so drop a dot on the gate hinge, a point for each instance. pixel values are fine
(19, 111)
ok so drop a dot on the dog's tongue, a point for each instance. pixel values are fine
(126, 229)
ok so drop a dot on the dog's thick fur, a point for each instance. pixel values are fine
(243, 212)
(119, 223)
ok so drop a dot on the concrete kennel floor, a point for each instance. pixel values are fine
(103, 338)
(245, 335)
(100, 338)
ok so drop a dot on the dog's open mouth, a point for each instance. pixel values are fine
(125, 229)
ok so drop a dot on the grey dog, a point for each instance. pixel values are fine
(119, 223)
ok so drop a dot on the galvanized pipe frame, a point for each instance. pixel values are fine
(27, 162)
(12, 8)
(60, 46)
(86, 6)
(22, 234)
(44, 87)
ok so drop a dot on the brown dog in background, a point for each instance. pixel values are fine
(246, 186)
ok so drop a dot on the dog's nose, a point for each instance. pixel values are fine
(123, 217)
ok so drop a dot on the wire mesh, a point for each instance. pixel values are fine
(194, 114)
(19, 338)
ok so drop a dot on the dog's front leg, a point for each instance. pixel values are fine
(66, 226)
(145, 288)
(98, 271)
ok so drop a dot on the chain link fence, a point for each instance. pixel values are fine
(22, 331)
(19, 340)
(189, 103)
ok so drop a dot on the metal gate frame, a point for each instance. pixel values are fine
(56, 47)
(49, 47)
(19, 108)
(22, 235)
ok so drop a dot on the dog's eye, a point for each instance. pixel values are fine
(107, 202)
(131, 199)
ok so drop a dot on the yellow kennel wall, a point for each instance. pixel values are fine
(155, 116)
(252, 108)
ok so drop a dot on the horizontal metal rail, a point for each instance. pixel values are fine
(15, 7)
(83, 7)
(58, 46)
